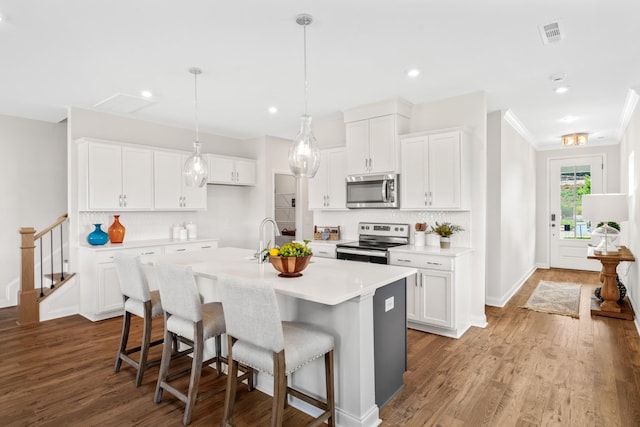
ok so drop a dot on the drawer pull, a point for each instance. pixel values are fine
(148, 253)
(205, 247)
(404, 260)
(433, 263)
(180, 250)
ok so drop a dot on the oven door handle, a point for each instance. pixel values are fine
(378, 254)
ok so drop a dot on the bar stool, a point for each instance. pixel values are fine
(138, 300)
(259, 339)
(192, 323)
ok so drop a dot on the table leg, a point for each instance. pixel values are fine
(610, 292)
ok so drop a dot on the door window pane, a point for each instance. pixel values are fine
(575, 181)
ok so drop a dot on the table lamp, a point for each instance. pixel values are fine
(605, 208)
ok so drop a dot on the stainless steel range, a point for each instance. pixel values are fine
(374, 240)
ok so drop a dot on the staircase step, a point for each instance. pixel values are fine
(56, 285)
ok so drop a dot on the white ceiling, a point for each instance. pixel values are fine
(62, 53)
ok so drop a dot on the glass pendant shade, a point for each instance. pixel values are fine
(195, 170)
(304, 153)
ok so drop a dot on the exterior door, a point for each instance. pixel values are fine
(569, 234)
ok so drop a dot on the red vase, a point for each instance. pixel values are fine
(116, 230)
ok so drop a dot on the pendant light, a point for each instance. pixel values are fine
(195, 168)
(304, 153)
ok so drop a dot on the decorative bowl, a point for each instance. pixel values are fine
(290, 266)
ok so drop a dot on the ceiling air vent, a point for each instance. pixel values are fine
(551, 33)
(123, 104)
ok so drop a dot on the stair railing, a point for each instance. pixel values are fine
(29, 296)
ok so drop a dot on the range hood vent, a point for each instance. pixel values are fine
(123, 103)
(551, 32)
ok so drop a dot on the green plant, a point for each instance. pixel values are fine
(611, 224)
(446, 229)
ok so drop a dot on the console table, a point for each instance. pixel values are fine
(610, 307)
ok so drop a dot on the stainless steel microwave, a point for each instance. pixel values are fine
(372, 191)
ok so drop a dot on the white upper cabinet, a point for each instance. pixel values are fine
(114, 176)
(231, 170)
(372, 136)
(327, 190)
(434, 171)
(170, 191)
(372, 145)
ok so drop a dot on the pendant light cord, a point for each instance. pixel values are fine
(195, 84)
(305, 67)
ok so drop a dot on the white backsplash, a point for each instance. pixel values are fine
(348, 221)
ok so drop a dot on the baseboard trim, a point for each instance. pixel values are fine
(502, 301)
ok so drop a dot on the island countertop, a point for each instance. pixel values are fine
(324, 281)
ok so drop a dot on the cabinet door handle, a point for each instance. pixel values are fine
(430, 198)
(426, 203)
(124, 199)
(328, 201)
(120, 200)
(237, 176)
(370, 164)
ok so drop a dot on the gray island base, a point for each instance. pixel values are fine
(363, 305)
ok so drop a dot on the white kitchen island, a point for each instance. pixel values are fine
(335, 295)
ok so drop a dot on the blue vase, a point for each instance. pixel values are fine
(97, 236)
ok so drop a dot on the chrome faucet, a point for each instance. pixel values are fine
(276, 232)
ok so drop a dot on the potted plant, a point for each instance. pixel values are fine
(445, 231)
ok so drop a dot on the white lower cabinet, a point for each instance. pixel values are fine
(437, 297)
(100, 296)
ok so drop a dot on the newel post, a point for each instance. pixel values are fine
(28, 307)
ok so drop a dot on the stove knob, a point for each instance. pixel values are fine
(395, 229)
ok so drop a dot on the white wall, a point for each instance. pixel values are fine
(33, 181)
(630, 184)
(611, 184)
(511, 210)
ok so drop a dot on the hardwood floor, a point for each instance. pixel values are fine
(524, 369)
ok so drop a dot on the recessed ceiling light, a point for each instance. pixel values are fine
(569, 119)
(272, 110)
(414, 72)
(146, 93)
(561, 89)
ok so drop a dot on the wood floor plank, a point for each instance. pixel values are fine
(524, 369)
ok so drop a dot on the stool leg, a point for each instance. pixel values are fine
(196, 370)
(279, 389)
(146, 339)
(124, 338)
(218, 354)
(164, 364)
(328, 370)
(232, 383)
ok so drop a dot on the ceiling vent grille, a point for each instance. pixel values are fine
(123, 104)
(551, 33)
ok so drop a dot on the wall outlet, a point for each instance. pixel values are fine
(388, 304)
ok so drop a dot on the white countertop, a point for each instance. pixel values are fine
(325, 281)
(431, 250)
(130, 244)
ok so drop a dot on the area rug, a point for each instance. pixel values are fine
(555, 298)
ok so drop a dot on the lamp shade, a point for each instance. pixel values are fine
(605, 207)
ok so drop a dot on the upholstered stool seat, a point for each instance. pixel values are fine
(141, 302)
(258, 338)
(192, 323)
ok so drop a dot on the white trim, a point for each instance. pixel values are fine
(501, 302)
(511, 118)
(627, 112)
